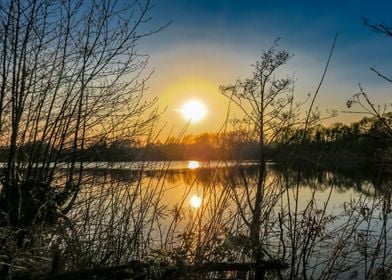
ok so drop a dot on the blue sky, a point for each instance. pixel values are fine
(229, 35)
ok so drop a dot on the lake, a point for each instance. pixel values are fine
(324, 224)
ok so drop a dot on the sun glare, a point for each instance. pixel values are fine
(196, 201)
(193, 164)
(193, 111)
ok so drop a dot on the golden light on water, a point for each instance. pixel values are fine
(193, 164)
(193, 111)
(196, 201)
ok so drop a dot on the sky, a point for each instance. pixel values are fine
(214, 42)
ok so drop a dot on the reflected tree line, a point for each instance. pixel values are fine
(363, 181)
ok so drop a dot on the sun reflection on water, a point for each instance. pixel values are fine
(196, 201)
(193, 164)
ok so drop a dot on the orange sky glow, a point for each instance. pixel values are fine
(195, 55)
(195, 73)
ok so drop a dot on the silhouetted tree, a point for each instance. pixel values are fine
(268, 107)
(70, 75)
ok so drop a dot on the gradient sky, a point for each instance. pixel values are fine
(214, 42)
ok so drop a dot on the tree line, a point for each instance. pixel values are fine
(366, 139)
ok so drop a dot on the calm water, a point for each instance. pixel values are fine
(180, 177)
(330, 221)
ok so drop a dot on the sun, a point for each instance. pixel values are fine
(193, 111)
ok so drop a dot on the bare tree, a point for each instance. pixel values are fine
(71, 75)
(273, 117)
(267, 103)
(364, 102)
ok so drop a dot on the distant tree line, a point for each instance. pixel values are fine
(367, 139)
